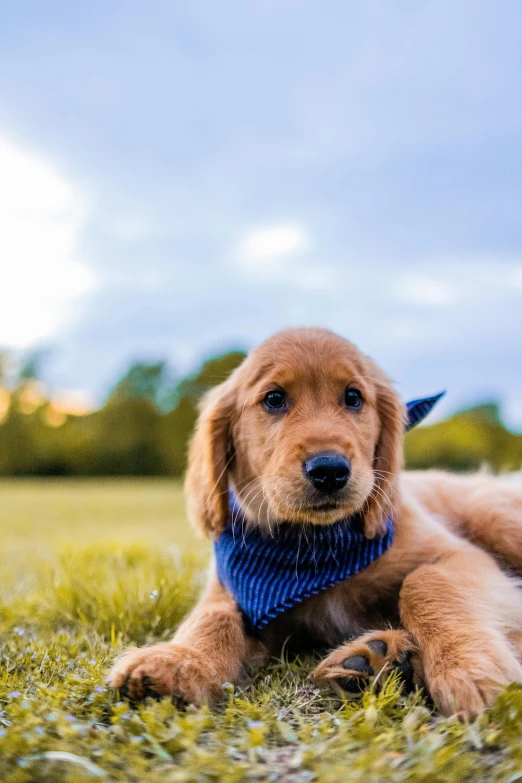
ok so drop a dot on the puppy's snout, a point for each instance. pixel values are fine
(328, 471)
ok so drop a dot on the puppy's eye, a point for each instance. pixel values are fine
(275, 400)
(353, 399)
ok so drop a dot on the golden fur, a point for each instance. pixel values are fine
(442, 593)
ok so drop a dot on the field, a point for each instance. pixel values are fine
(89, 567)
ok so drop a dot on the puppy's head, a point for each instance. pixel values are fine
(307, 430)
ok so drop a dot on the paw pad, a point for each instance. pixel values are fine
(355, 685)
(378, 646)
(405, 671)
(358, 663)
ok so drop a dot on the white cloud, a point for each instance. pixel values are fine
(273, 242)
(515, 277)
(461, 280)
(41, 275)
(426, 291)
(280, 254)
(132, 228)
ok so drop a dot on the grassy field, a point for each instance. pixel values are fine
(90, 567)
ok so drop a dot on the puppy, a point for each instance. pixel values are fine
(308, 433)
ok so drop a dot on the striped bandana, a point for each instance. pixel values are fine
(269, 572)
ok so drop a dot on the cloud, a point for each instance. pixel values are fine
(515, 277)
(273, 242)
(464, 280)
(426, 291)
(132, 228)
(41, 217)
(281, 254)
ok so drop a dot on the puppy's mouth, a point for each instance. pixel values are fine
(307, 506)
(330, 505)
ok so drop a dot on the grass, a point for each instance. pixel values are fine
(90, 567)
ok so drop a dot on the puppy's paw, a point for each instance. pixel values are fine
(469, 691)
(166, 670)
(353, 667)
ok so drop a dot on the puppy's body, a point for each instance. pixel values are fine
(456, 514)
(441, 594)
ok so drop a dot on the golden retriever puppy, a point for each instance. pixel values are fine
(326, 543)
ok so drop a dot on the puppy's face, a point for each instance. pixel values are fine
(310, 432)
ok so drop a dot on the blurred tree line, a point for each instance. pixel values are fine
(144, 426)
(468, 440)
(142, 429)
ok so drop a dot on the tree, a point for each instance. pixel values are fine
(179, 423)
(142, 381)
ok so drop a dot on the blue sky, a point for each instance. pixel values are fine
(180, 178)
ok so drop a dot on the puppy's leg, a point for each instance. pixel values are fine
(494, 520)
(209, 649)
(354, 666)
(464, 615)
(487, 510)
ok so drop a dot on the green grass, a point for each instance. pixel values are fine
(91, 567)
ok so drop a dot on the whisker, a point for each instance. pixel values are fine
(387, 498)
(227, 463)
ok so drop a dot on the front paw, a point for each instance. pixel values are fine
(166, 670)
(467, 692)
(368, 660)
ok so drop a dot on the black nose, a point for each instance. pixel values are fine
(327, 471)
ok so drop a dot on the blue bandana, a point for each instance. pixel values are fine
(267, 574)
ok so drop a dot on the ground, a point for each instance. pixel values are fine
(89, 567)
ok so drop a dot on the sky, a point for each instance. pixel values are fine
(181, 178)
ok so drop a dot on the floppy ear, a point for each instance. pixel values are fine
(210, 454)
(387, 460)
